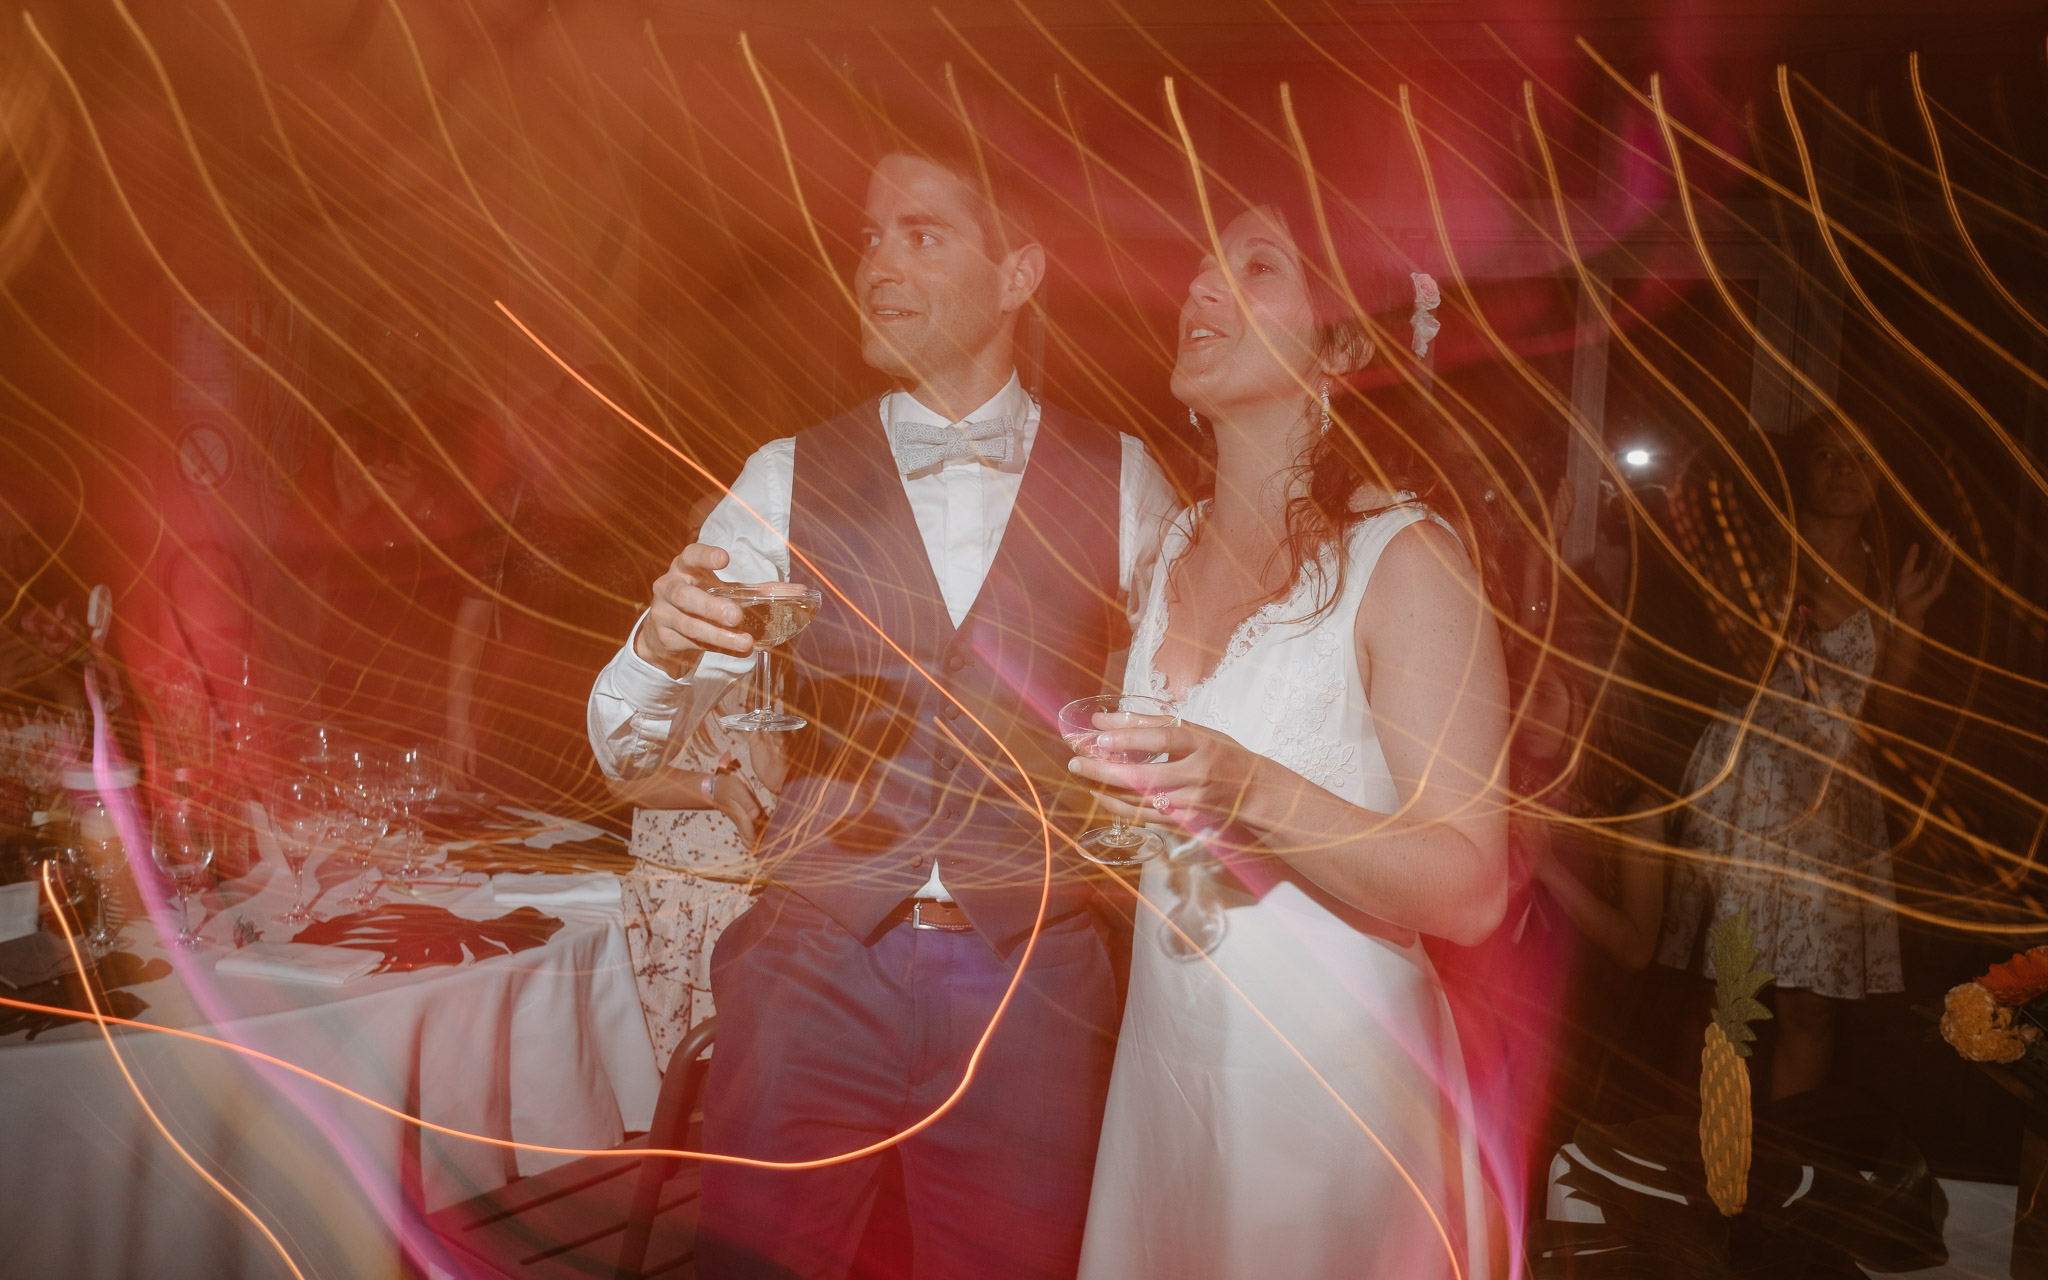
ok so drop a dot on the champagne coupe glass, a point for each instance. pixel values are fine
(365, 816)
(770, 612)
(414, 780)
(301, 813)
(182, 846)
(1082, 723)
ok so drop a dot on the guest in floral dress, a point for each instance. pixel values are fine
(693, 839)
(1785, 823)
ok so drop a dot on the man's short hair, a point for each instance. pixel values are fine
(997, 192)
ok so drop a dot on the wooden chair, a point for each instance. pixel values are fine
(601, 1215)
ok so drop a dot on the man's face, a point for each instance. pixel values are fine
(931, 297)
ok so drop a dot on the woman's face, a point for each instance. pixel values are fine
(1254, 343)
(1839, 484)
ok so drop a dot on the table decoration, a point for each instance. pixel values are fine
(1999, 1021)
(1720, 1196)
(418, 935)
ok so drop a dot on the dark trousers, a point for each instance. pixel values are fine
(827, 1044)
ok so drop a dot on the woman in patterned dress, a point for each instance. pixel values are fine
(1785, 823)
(694, 828)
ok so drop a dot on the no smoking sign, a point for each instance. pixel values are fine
(206, 457)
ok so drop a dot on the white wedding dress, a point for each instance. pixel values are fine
(1292, 1104)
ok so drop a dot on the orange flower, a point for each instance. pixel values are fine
(1980, 1028)
(2020, 979)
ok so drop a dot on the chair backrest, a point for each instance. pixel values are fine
(681, 1086)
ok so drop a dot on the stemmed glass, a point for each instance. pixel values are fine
(301, 813)
(413, 780)
(81, 878)
(182, 846)
(1082, 723)
(364, 817)
(770, 612)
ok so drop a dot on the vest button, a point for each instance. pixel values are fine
(956, 662)
(950, 711)
(949, 813)
(946, 760)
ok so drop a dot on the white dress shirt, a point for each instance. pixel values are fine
(961, 508)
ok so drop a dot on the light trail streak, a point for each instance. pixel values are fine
(101, 1020)
(1949, 796)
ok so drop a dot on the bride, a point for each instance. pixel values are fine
(1289, 1098)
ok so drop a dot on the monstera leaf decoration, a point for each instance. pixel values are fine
(412, 935)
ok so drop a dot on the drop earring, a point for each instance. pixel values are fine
(1194, 421)
(1325, 429)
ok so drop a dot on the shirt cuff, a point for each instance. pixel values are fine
(642, 684)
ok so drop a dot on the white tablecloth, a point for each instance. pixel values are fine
(545, 1046)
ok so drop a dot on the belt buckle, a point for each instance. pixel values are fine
(917, 920)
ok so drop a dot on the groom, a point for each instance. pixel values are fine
(984, 544)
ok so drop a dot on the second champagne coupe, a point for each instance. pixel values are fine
(1082, 723)
(770, 612)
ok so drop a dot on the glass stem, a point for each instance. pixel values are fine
(761, 678)
(98, 936)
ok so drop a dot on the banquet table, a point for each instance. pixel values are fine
(545, 1045)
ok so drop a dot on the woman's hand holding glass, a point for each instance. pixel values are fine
(1093, 728)
(1193, 775)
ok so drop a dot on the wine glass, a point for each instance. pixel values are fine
(412, 781)
(364, 818)
(182, 846)
(1082, 723)
(770, 612)
(81, 881)
(301, 813)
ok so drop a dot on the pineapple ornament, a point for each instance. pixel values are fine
(1724, 1077)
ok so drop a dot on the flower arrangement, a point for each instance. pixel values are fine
(1994, 1018)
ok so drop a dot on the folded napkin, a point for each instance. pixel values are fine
(594, 889)
(553, 830)
(18, 905)
(298, 962)
(36, 957)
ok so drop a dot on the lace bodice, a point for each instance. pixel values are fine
(1290, 691)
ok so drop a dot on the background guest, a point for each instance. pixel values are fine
(1785, 823)
(394, 553)
(576, 524)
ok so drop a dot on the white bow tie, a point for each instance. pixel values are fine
(918, 445)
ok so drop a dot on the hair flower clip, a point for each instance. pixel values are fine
(1425, 324)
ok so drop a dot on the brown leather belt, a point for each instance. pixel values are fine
(930, 913)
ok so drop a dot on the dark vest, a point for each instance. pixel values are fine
(880, 784)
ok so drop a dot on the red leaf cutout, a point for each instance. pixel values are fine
(417, 935)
